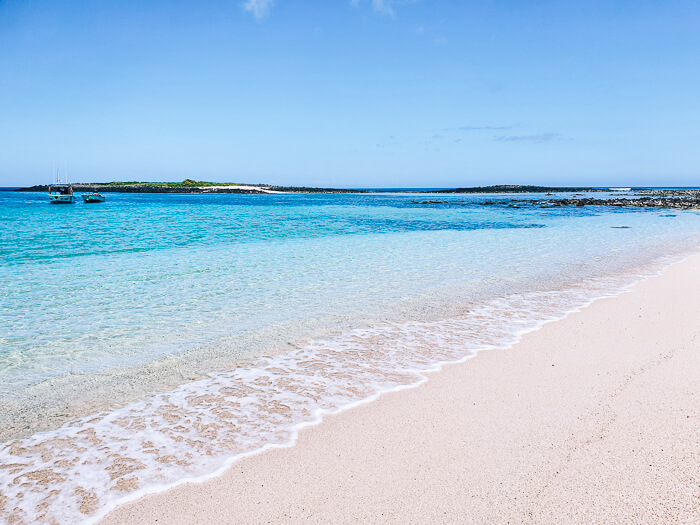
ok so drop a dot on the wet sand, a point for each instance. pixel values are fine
(592, 419)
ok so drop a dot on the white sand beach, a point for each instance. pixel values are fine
(592, 419)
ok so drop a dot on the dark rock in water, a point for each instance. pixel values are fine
(670, 199)
(690, 200)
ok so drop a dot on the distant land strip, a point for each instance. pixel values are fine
(514, 188)
(189, 186)
(192, 186)
(645, 198)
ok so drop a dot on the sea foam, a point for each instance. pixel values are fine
(80, 471)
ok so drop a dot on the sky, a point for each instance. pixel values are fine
(352, 93)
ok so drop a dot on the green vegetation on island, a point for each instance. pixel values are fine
(187, 183)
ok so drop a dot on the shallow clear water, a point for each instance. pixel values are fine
(348, 295)
(88, 287)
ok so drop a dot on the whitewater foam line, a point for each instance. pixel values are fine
(83, 470)
(233, 459)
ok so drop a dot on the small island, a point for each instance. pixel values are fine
(188, 186)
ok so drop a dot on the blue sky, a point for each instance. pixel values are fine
(367, 93)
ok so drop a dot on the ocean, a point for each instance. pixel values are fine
(156, 338)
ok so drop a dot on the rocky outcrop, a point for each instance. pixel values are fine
(514, 188)
(688, 201)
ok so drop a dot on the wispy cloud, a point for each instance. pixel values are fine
(479, 128)
(387, 144)
(385, 7)
(535, 139)
(258, 8)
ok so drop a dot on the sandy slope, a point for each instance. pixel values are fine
(593, 419)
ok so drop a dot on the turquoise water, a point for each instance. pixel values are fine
(87, 288)
(102, 305)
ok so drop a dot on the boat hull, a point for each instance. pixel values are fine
(61, 199)
(88, 199)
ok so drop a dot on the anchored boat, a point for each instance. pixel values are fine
(61, 194)
(93, 197)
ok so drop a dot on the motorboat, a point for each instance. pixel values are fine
(93, 197)
(61, 194)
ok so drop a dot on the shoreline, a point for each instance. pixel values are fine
(670, 199)
(353, 436)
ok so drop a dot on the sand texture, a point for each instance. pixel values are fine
(592, 419)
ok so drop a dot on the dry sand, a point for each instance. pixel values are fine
(592, 419)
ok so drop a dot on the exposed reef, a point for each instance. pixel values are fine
(673, 199)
